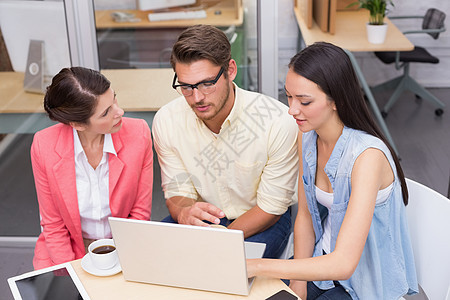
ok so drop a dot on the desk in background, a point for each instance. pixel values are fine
(116, 287)
(140, 92)
(350, 34)
(146, 44)
(231, 13)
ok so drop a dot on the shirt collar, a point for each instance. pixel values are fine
(235, 111)
(333, 162)
(108, 145)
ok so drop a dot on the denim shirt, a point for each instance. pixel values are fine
(386, 269)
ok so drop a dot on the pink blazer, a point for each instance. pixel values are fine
(53, 161)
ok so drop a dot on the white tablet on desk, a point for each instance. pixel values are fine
(57, 282)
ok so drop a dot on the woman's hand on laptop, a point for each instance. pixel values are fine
(199, 212)
(251, 267)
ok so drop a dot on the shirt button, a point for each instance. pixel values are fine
(346, 290)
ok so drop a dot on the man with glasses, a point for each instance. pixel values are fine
(228, 156)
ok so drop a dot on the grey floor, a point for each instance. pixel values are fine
(423, 141)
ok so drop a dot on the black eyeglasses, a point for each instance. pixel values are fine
(206, 87)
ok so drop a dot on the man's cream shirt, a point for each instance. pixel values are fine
(252, 161)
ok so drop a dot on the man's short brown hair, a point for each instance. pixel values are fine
(202, 42)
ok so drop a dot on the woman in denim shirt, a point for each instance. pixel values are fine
(351, 238)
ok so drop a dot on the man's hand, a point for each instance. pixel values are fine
(199, 212)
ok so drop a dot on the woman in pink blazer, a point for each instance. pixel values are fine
(92, 165)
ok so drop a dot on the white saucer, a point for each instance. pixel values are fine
(87, 265)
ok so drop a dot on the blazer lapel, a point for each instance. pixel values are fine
(64, 172)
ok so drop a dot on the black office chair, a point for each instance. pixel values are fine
(433, 24)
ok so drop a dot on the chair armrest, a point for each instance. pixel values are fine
(442, 29)
(405, 17)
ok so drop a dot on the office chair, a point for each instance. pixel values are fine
(433, 24)
(428, 221)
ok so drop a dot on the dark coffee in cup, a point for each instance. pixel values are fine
(104, 249)
(102, 254)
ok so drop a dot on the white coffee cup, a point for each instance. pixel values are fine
(102, 256)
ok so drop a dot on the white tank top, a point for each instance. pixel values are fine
(326, 199)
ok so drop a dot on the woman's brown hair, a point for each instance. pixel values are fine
(72, 95)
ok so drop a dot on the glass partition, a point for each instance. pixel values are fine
(85, 33)
(128, 39)
(33, 48)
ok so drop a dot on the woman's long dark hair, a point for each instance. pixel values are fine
(330, 68)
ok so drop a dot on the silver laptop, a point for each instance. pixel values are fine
(204, 258)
